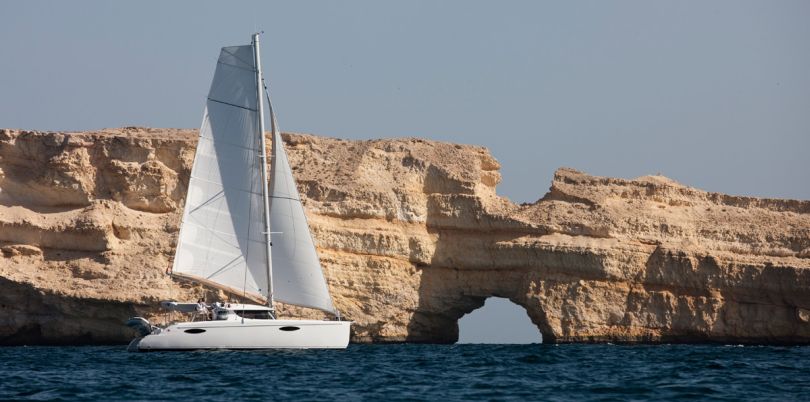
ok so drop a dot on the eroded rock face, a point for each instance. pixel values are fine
(412, 236)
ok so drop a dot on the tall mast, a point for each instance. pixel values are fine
(263, 155)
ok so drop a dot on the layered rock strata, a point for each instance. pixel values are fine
(412, 236)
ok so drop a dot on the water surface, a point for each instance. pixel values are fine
(411, 372)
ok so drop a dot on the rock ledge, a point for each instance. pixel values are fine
(412, 236)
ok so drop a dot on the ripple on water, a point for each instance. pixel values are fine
(411, 372)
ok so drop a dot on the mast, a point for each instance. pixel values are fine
(263, 156)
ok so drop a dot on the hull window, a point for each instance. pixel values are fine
(289, 328)
(194, 331)
(255, 314)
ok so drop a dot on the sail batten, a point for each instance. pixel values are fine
(231, 104)
(257, 298)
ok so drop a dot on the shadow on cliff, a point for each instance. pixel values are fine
(463, 272)
(30, 316)
(709, 306)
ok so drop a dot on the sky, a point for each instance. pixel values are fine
(498, 321)
(715, 95)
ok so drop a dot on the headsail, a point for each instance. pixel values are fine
(221, 236)
(297, 274)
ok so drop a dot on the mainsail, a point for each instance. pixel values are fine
(222, 236)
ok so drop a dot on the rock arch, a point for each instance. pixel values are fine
(412, 236)
(595, 260)
(446, 295)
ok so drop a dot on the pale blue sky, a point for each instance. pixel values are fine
(498, 321)
(713, 94)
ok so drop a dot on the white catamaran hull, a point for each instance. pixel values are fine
(247, 334)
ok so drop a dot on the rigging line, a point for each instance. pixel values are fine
(224, 268)
(224, 187)
(253, 166)
(214, 232)
(231, 104)
(285, 198)
(252, 70)
(244, 289)
(230, 144)
(233, 235)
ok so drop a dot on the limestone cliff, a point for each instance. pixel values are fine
(412, 236)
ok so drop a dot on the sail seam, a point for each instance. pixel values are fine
(231, 104)
(233, 235)
(215, 232)
(229, 144)
(224, 186)
(252, 70)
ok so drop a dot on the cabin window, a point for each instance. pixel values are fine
(254, 314)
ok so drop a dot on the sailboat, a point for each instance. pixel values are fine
(240, 236)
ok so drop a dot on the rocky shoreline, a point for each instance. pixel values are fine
(412, 236)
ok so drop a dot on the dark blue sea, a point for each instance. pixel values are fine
(411, 372)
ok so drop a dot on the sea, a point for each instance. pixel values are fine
(410, 372)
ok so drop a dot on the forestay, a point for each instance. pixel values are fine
(222, 236)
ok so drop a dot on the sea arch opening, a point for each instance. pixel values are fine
(498, 321)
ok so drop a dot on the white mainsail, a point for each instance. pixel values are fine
(297, 274)
(222, 235)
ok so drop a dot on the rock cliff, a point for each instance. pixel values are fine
(412, 236)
